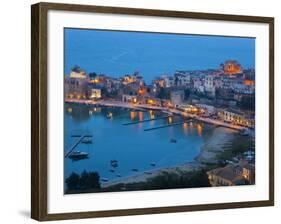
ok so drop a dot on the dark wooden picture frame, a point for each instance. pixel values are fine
(39, 105)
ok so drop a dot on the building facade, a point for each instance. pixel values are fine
(182, 78)
(129, 98)
(231, 67)
(94, 93)
(235, 117)
(177, 97)
(232, 175)
(169, 81)
(76, 88)
(209, 85)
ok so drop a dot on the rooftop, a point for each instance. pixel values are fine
(229, 172)
(232, 172)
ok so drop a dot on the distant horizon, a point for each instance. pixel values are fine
(116, 53)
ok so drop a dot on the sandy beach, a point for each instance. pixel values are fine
(214, 145)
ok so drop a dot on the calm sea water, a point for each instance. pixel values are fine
(130, 145)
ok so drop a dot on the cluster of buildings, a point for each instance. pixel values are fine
(241, 173)
(214, 93)
(217, 92)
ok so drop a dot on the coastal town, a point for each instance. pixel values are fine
(223, 97)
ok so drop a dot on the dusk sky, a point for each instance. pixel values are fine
(117, 53)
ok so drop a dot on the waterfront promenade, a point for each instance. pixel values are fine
(170, 111)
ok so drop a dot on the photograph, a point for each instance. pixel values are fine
(157, 111)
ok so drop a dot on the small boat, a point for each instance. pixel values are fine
(76, 155)
(109, 115)
(114, 163)
(104, 179)
(173, 140)
(153, 164)
(87, 141)
(135, 170)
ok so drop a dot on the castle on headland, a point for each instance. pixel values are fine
(231, 67)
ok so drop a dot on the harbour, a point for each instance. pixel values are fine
(143, 107)
(160, 123)
(134, 149)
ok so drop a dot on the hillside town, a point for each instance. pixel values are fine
(224, 97)
(226, 94)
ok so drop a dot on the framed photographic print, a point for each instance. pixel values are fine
(139, 111)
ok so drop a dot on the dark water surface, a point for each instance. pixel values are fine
(130, 145)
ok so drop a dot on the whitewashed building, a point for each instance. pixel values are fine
(169, 81)
(182, 79)
(198, 85)
(209, 85)
(95, 93)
